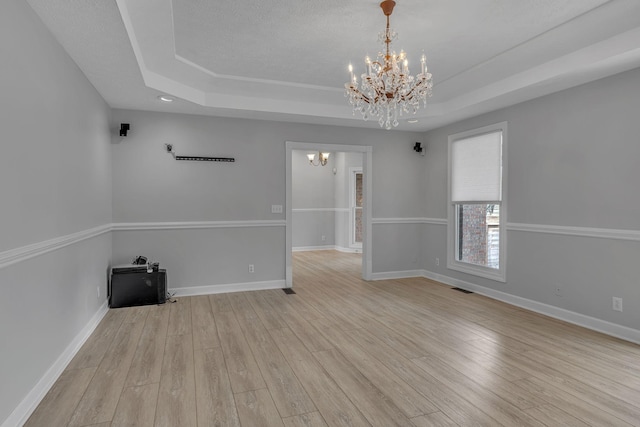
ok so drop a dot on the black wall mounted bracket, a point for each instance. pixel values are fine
(169, 148)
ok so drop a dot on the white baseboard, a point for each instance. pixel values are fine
(612, 329)
(348, 250)
(313, 248)
(225, 288)
(388, 275)
(585, 321)
(23, 411)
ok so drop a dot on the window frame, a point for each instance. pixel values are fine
(500, 273)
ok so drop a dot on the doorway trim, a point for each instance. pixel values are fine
(353, 172)
(367, 168)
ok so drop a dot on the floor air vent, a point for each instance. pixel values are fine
(464, 291)
(288, 291)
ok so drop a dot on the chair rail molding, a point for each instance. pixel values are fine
(417, 220)
(23, 253)
(602, 233)
(139, 226)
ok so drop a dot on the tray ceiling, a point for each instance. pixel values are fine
(288, 60)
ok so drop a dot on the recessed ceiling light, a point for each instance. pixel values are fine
(165, 98)
(412, 121)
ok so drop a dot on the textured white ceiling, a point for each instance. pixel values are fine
(287, 60)
(312, 42)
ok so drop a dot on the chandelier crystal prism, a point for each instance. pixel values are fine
(387, 90)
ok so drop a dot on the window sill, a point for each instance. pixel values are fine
(477, 270)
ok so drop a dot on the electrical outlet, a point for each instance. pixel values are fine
(558, 291)
(324, 238)
(437, 261)
(98, 288)
(251, 269)
(617, 304)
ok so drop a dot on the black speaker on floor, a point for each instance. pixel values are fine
(133, 286)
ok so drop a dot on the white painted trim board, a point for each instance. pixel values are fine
(25, 408)
(304, 210)
(327, 248)
(226, 288)
(418, 220)
(187, 225)
(588, 322)
(23, 253)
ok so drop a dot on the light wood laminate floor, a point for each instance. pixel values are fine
(344, 352)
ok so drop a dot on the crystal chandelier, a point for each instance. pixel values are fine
(387, 90)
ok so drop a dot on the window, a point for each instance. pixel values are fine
(477, 209)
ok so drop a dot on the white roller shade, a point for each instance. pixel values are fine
(476, 168)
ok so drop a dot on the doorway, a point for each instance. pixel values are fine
(362, 212)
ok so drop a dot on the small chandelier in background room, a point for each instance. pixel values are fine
(387, 89)
(322, 159)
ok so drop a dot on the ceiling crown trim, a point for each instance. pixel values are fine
(150, 28)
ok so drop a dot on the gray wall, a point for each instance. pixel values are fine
(345, 161)
(572, 162)
(149, 186)
(320, 200)
(313, 200)
(55, 171)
